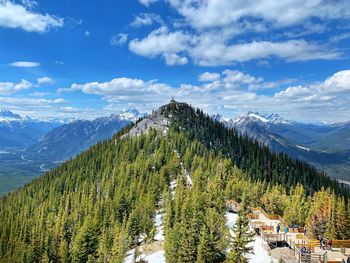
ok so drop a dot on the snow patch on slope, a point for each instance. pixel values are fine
(157, 257)
(260, 254)
(303, 148)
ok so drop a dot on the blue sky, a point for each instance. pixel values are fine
(83, 59)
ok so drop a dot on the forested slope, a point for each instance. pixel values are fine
(96, 207)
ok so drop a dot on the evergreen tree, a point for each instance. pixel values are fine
(242, 236)
(213, 238)
(86, 242)
(64, 251)
(120, 246)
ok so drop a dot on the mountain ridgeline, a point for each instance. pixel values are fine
(326, 146)
(252, 157)
(101, 204)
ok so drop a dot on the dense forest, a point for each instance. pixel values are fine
(97, 206)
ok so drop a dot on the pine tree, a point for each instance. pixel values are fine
(242, 236)
(213, 238)
(341, 219)
(64, 251)
(332, 218)
(102, 249)
(86, 242)
(120, 245)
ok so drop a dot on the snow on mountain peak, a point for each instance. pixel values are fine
(264, 117)
(130, 114)
(6, 114)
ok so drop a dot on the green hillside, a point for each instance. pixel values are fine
(97, 206)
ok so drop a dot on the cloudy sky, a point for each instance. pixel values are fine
(65, 58)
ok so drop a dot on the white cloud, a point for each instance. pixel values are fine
(211, 31)
(87, 33)
(25, 64)
(338, 83)
(7, 88)
(217, 13)
(340, 37)
(235, 76)
(336, 87)
(147, 2)
(35, 107)
(163, 43)
(216, 54)
(159, 42)
(119, 39)
(70, 109)
(14, 15)
(146, 20)
(208, 77)
(230, 94)
(209, 50)
(174, 59)
(29, 3)
(39, 94)
(45, 80)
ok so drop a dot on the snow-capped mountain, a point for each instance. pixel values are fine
(130, 114)
(6, 115)
(324, 145)
(273, 118)
(70, 139)
(20, 131)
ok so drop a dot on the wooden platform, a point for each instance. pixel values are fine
(265, 225)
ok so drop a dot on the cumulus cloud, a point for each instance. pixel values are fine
(208, 77)
(207, 50)
(174, 59)
(211, 31)
(214, 13)
(25, 64)
(159, 42)
(119, 39)
(235, 76)
(7, 88)
(230, 92)
(334, 89)
(14, 15)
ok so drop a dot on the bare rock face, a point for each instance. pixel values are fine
(156, 121)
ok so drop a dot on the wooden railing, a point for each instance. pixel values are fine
(335, 243)
(309, 257)
(257, 224)
(253, 216)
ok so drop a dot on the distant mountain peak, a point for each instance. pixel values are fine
(130, 114)
(218, 117)
(274, 118)
(9, 114)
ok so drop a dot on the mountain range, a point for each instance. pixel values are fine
(21, 131)
(327, 146)
(160, 187)
(29, 147)
(70, 139)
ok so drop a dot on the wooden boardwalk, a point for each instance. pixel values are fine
(265, 225)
